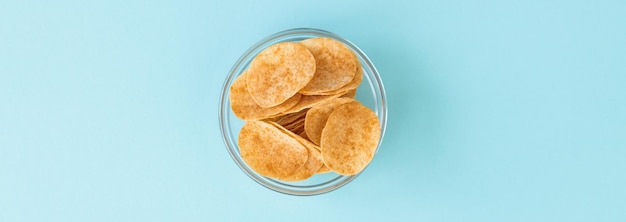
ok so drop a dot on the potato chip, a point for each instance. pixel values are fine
(245, 108)
(303, 135)
(291, 117)
(350, 138)
(316, 118)
(312, 165)
(297, 127)
(269, 151)
(349, 94)
(279, 72)
(314, 161)
(293, 122)
(308, 101)
(356, 81)
(335, 65)
(300, 139)
(323, 169)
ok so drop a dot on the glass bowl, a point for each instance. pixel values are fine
(371, 93)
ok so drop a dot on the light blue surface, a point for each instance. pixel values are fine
(498, 110)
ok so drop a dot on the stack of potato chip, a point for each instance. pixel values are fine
(301, 116)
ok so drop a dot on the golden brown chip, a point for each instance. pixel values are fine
(296, 128)
(349, 94)
(350, 138)
(303, 135)
(293, 122)
(244, 106)
(308, 101)
(356, 81)
(311, 166)
(335, 65)
(314, 161)
(300, 139)
(323, 169)
(291, 117)
(316, 118)
(269, 151)
(279, 72)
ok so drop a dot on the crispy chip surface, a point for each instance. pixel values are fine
(269, 151)
(356, 81)
(316, 118)
(300, 139)
(349, 94)
(279, 72)
(312, 165)
(244, 106)
(350, 138)
(323, 169)
(308, 101)
(314, 162)
(303, 135)
(335, 65)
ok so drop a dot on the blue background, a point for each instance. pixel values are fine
(498, 110)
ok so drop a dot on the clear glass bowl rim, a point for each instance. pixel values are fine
(370, 73)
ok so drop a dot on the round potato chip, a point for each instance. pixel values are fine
(350, 138)
(312, 165)
(335, 65)
(308, 101)
(244, 106)
(279, 72)
(314, 162)
(349, 94)
(356, 81)
(323, 169)
(299, 138)
(316, 117)
(269, 151)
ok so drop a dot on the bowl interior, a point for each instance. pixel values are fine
(371, 93)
